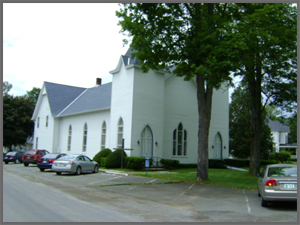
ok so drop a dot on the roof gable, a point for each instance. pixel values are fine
(60, 96)
(277, 126)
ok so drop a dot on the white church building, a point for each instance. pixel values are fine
(155, 113)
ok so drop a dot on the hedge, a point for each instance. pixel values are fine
(103, 153)
(134, 162)
(170, 163)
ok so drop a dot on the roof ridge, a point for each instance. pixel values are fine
(72, 102)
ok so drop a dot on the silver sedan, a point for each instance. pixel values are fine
(75, 164)
(278, 182)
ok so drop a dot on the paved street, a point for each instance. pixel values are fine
(147, 199)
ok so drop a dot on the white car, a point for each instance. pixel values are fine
(277, 182)
(75, 164)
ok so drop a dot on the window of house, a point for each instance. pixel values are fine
(85, 130)
(180, 141)
(103, 135)
(120, 133)
(69, 138)
(47, 118)
(36, 143)
(38, 122)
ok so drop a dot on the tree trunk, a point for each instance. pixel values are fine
(254, 85)
(204, 97)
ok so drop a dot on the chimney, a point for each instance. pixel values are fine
(98, 81)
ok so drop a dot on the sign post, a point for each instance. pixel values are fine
(147, 162)
(122, 153)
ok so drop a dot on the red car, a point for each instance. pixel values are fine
(32, 156)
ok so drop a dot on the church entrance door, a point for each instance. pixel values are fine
(147, 142)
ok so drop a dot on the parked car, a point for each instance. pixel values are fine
(75, 164)
(46, 161)
(32, 156)
(278, 182)
(15, 157)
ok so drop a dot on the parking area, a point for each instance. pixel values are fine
(147, 196)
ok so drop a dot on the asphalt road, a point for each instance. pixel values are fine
(114, 197)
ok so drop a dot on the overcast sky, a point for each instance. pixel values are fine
(65, 43)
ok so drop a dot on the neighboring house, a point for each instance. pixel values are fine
(155, 113)
(280, 134)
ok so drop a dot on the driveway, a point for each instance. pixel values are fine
(155, 200)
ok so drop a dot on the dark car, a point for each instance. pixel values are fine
(32, 156)
(47, 160)
(15, 157)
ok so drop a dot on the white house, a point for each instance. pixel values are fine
(155, 113)
(280, 134)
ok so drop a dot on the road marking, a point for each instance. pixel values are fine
(152, 181)
(186, 190)
(130, 188)
(247, 202)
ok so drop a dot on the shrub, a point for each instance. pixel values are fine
(170, 163)
(134, 162)
(113, 160)
(283, 156)
(216, 163)
(188, 165)
(103, 161)
(103, 153)
(237, 162)
(267, 162)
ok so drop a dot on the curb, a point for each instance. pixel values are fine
(113, 172)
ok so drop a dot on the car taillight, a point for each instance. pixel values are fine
(51, 160)
(23, 156)
(71, 162)
(271, 183)
(39, 160)
(11, 157)
(35, 156)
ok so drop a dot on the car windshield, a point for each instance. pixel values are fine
(50, 156)
(11, 153)
(68, 157)
(282, 171)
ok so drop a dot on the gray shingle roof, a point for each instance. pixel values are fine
(59, 96)
(128, 56)
(277, 126)
(92, 99)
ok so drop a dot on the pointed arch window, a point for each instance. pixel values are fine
(180, 141)
(47, 119)
(120, 133)
(69, 138)
(84, 142)
(103, 135)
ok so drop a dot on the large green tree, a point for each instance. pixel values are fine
(240, 126)
(264, 43)
(189, 37)
(17, 112)
(17, 123)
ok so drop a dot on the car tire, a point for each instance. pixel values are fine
(258, 194)
(26, 164)
(96, 169)
(58, 173)
(78, 170)
(6, 162)
(17, 161)
(264, 203)
(41, 169)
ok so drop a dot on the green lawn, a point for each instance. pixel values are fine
(218, 177)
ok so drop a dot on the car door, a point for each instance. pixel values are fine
(261, 180)
(82, 163)
(89, 164)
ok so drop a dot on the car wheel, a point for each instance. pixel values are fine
(264, 203)
(6, 162)
(58, 173)
(96, 169)
(41, 169)
(17, 161)
(258, 194)
(26, 164)
(78, 170)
